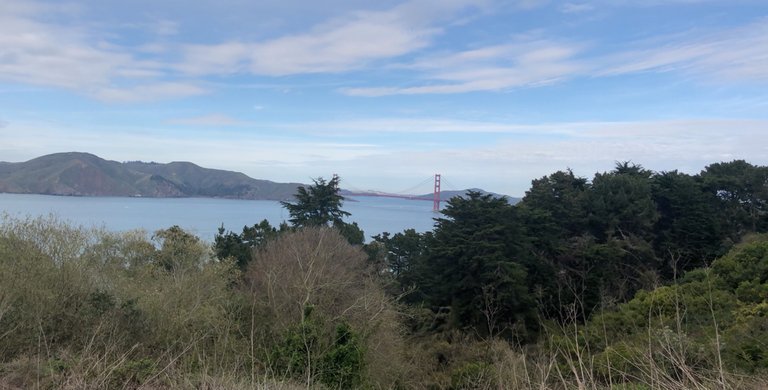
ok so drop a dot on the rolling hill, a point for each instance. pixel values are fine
(84, 174)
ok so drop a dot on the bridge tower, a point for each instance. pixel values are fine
(436, 202)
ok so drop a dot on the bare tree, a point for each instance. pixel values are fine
(314, 276)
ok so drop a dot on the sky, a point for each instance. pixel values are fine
(490, 94)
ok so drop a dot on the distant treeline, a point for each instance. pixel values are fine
(633, 279)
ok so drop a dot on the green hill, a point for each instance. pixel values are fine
(84, 174)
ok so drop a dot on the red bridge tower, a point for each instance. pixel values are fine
(436, 203)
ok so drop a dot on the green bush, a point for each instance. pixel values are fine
(341, 367)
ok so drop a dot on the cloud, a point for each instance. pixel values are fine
(735, 55)
(34, 43)
(530, 4)
(208, 120)
(31, 51)
(726, 56)
(3, 124)
(165, 27)
(342, 44)
(573, 8)
(403, 38)
(52, 55)
(418, 125)
(657, 3)
(526, 62)
(148, 92)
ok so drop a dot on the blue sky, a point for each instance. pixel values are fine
(488, 93)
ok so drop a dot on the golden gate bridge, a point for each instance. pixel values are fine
(405, 194)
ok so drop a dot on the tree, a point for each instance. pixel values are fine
(560, 197)
(241, 246)
(179, 250)
(478, 266)
(325, 316)
(398, 258)
(401, 250)
(621, 203)
(688, 230)
(743, 191)
(320, 205)
(317, 205)
(554, 210)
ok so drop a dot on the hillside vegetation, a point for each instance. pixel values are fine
(83, 174)
(631, 280)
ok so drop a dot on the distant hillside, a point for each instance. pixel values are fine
(444, 195)
(83, 174)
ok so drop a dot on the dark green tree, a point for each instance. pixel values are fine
(621, 203)
(743, 191)
(554, 210)
(688, 232)
(478, 266)
(622, 215)
(241, 246)
(402, 249)
(595, 234)
(320, 205)
(341, 367)
(561, 198)
(401, 256)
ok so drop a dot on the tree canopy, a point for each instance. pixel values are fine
(317, 205)
(320, 205)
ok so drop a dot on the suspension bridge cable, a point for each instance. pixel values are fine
(411, 190)
(350, 187)
(414, 190)
(450, 186)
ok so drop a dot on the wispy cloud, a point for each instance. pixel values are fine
(525, 62)
(419, 125)
(165, 27)
(733, 55)
(345, 43)
(86, 63)
(739, 54)
(574, 8)
(402, 39)
(47, 54)
(148, 92)
(208, 120)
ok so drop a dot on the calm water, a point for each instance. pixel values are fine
(203, 216)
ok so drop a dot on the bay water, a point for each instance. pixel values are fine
(203, 216)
